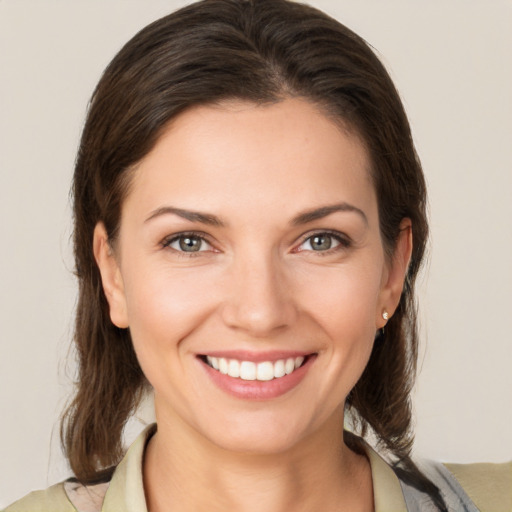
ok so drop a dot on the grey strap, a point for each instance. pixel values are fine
(454, 495)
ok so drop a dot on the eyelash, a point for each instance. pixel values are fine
(343, 243)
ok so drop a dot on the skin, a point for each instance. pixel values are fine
(257, 284)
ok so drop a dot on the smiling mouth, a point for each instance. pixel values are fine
(250, 371)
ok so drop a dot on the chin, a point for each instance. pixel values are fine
(267, 443)
(259, 434)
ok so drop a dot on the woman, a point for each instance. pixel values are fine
(249, 223)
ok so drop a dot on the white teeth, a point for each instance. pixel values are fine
(213, 362)
(248, 370)
(289, 366)
(234, 368)
(265, 371)
(223, 366)
(279, 369)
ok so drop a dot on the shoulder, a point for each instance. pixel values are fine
(124, 484)
(63, 497)
(54, 498)
(488, 485)
(480, 487)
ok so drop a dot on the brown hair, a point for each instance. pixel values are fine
(260, 51)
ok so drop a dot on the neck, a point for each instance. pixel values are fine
(185, 472)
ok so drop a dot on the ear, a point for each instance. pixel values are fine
(111, 278)
(394, 277)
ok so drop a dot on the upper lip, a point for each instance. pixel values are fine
(257, 357)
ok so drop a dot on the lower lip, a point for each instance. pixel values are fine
(257, 389)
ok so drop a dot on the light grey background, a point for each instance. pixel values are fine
(451, 61)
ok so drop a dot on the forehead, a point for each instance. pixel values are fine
(241, 154)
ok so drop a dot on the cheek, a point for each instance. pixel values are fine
(345, 299)
(164, 307)
(345, 309)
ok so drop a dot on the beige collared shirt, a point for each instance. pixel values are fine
(125, 492)
(126, 488)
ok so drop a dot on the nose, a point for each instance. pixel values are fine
(260, 299)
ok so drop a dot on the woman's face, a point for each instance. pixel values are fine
(249, 244)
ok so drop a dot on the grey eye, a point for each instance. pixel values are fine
(320, 242)
(189, 243)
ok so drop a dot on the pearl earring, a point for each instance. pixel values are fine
(385, 315)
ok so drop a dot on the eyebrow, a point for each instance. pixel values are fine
(324, 211)
(192, 216)
(302, 218)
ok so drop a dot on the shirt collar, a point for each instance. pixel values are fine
(387, 491)
(126, 490)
